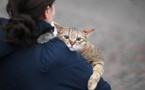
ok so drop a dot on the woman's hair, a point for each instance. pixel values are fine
(20, 27)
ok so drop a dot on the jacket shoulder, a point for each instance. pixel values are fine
(56, 53)
(3, 21)
(5, 49)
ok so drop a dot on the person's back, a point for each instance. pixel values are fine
(32, 66)
(50, 66)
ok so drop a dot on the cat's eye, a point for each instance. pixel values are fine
(78, 38)
(66, 36)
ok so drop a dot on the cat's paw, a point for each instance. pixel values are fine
(45, 38)
(92, 83)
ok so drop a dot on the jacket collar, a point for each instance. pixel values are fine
(43, 27)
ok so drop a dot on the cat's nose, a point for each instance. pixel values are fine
(72, 43)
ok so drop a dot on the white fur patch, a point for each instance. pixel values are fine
(47, 36)
(55, 30)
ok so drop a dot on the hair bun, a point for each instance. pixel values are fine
(23, 20)
(20, 31)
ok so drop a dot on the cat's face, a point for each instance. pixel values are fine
(74, 38)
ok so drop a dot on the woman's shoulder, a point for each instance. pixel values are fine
(3, 20)
(56, 52)
(59, 49)
(5, 49)
(54, 45)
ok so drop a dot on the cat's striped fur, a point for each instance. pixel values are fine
(76, 40)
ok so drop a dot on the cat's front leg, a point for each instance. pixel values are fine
(97, 73)
(45, 38)
(93, 81)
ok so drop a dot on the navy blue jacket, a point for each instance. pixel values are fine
(49, 66)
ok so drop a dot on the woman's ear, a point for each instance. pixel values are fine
(46, 13)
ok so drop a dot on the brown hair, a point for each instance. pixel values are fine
(20, 26)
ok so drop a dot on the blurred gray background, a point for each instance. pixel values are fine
(120, 34)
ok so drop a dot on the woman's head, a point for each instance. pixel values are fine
(19, 29)
(34, 8)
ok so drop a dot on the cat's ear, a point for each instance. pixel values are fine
(88, 31)
(58, 26)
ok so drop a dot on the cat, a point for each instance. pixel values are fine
(76, 40)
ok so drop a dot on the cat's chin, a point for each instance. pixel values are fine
(72, 49)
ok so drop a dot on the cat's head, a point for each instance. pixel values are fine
(74, 38)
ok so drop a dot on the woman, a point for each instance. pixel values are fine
(27, 65)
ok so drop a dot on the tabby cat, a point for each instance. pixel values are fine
(76, 40)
